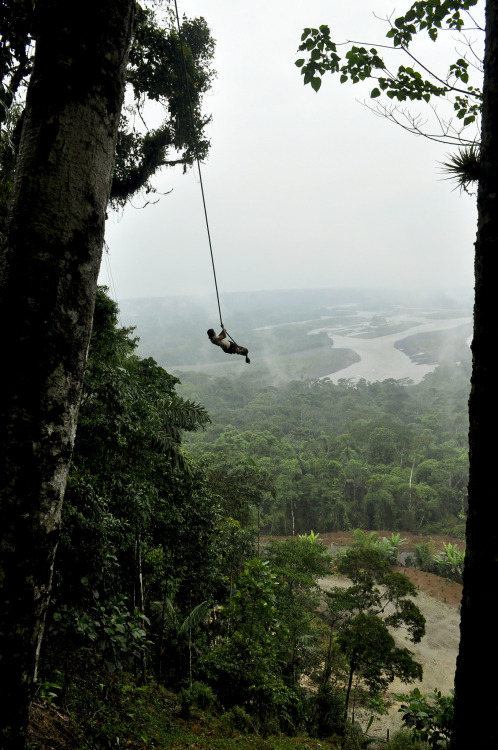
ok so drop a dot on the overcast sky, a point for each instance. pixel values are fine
(303, 189)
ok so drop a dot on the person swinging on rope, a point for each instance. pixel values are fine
(230, 347)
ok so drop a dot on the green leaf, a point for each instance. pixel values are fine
(375, 93)
(316, 83)
(299, 62)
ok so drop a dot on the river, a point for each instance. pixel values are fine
(379, 359)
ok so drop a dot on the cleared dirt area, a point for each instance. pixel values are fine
(439, 601)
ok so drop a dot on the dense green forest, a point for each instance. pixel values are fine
(328, 456)
(172, 622)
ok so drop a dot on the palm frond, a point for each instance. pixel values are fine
(164, 612)
(198, 615)
(183, 414)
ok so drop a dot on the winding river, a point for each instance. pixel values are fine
(379, 357)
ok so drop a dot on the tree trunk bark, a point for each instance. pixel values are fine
(476, 715)
(48, 276)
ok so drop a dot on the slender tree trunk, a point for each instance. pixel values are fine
(190, 641)
(352, 668)
(139, 574)
(259, 528)
(141, 596)
(48, 276)
(476, 715)
(161, 636)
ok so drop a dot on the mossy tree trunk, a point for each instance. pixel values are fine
(48, 277)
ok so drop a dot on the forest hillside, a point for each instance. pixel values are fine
(199, 596)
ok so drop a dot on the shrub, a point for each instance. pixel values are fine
(429, 715)
(238, 720)
(424, 554)
(200, 695)
(327, 712)
(404, 740)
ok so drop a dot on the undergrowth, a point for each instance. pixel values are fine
(126, 715)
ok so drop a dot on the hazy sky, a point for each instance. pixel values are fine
(303, 189)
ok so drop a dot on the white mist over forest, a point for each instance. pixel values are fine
(294, 334)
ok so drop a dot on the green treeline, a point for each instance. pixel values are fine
(331, 457)
(169, 616)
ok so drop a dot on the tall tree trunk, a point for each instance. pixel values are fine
(476, 715)
(48, 277)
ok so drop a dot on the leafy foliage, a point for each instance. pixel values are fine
(429, 716)
(448, 563)
(168, 67)
(412, 82)
(132, 501)
(171, 68)
(245, 664)
(109, 634)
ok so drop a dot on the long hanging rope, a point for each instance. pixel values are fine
(110, 277)
(196, 148)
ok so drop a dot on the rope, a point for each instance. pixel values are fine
(196, 146)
